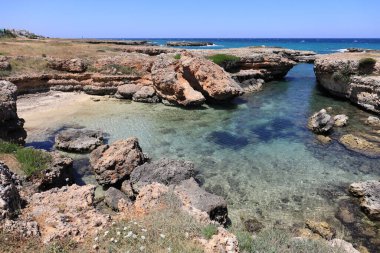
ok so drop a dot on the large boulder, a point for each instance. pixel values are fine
(10, 200)
(74, 65)
(369, 195)
(321, 122)
(113, 163)
(11, 126)
(78, 140)
(191, 80)
(146, 94)
(127, 91)
(164, 171)
(58, 174)
(193, 196)
(66, 212)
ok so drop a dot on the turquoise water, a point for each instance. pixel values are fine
(317, 45)
(256, 152)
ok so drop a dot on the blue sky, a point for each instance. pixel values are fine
(195, 19)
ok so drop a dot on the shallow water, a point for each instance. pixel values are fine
(256, 152)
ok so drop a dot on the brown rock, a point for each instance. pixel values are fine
(323, 139)
(113, 163)
(75, 65)
(360, 145)
(369, 195)
(223, 242)
(321, 228)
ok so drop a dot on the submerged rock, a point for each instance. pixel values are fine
(361, 145)
(78, 140)
(369, 195)
(321, 122)
(11, 126)
(10, 200)
(323, 139)
(164, 171)
(340, 120)
(113, 163)
(373, 121)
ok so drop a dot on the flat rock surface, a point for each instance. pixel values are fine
(78, 140)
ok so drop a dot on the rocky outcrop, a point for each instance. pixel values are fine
(75, 65)
(113, 163)
(146, 94)
(321, 122)
(363, 144)
(114, 198)
(373, 121)
(354, 76)
(10, 200)
(369, 195)
(188, 43)
(164, 171)
(222, 242)
(191, 80)
(340, 120)
(127, 91)
(193, 196)
(64, 212)
(58, 174)
(78, 140)
(11, 126)
(342, 245)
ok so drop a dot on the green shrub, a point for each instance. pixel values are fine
(221, 59)
(340, 77)
(125, 70)
(5, 73)
(209, 231)
(177, 56)
(32, 160)
(8, 148)
(366, 65)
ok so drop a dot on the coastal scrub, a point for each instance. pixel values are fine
(366, 65)
(222, 59)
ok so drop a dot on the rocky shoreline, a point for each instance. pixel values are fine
(48, 206)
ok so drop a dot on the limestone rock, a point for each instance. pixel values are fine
(114, 197)
(373, 121)
(11, 126)
(321, 228)
(223, 242)
(343, 245)
(10, 200)
(150, 197)
(146, 94)
(323, 139)
(127, 91)
(369, 195)
(195, 197)
(340, 120)
(361, 145)
(126, 188)
(164, 171)
(75, 65)
(114, 163)
(58, 174)
(321, 122)
(23, 228)
(64, 212)
(78, 140)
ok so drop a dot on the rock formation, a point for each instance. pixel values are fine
(78, 140)
(10, 200)
(321, 122)
(11, 126)
(75, 65)
(113, 163)
(369, 195)
(223, 241)
(361, 143)
(354, 76)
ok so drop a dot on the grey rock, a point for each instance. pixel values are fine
(113, 196)
(78, 140)
(215, 206)
(23, 228)
(127, 91)
(373, 121)
(321, 122)
(10, 200)
(99, 90)
(146, 94)
(340, 120)
(113, 163)
(164, 171)
(369, 195)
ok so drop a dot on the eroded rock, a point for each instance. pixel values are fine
(340, 120)
(114, 163)
(373, 121)
(222, 242)
(146, 94)
(114, 198)
(361, 145)
(321, 122)
(75, 65)
(127, 91)
(321, 228)
(78, 140)
(10, 200)
(369, 195)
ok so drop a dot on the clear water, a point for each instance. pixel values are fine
(256, 152)
(321, 46)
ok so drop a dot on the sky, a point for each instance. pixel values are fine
(194, 19)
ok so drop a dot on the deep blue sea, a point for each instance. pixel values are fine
(322, 46)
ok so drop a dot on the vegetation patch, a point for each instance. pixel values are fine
(343, 75)
(222, 59)
(118, 69)
(209, 231)
(367, 65)
(31, 160)
(177, 56)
